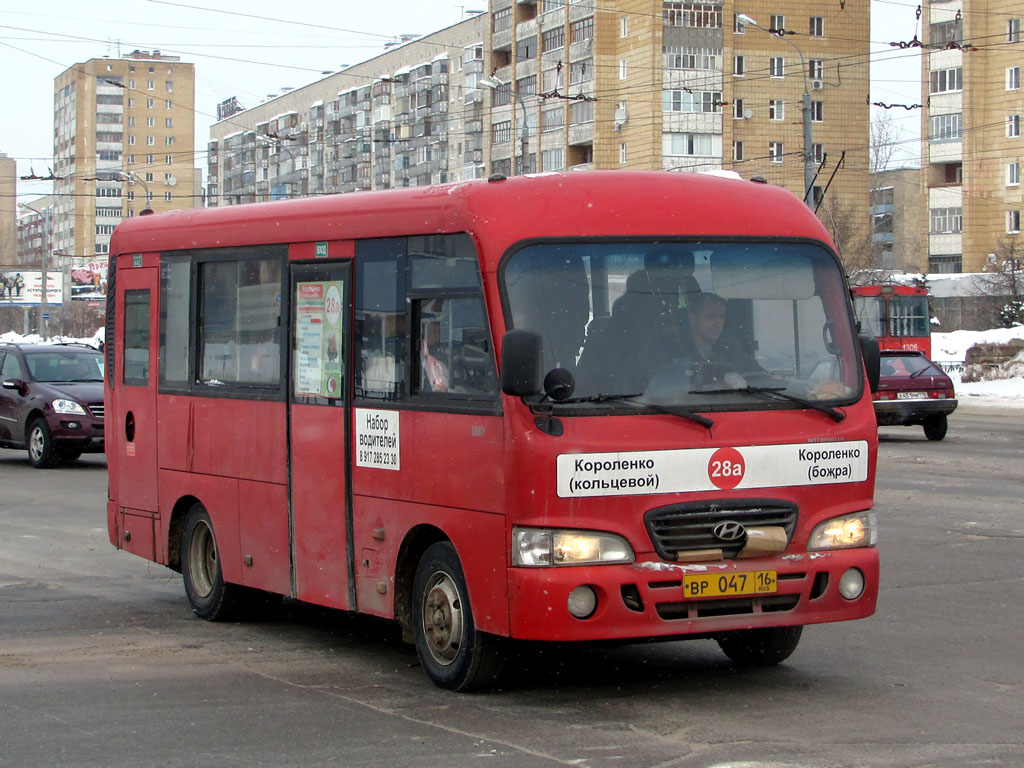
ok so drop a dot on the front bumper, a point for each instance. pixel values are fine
(895, 412)
(645, 600)
(83, 432)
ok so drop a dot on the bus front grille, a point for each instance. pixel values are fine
(699, 609)
(690, 527)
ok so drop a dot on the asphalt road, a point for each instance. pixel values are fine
(103, 664)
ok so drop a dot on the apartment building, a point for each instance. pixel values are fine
(897, 210)
(35, 232)
(8, 202)
(549, 85)
(124, 141)
(971, 132)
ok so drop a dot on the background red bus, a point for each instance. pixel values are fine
(304, 400)
(896, 315)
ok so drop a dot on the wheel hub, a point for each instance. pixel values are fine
(442, 618)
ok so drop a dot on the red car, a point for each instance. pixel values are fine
(913, 390)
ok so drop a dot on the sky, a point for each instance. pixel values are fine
(253, 48)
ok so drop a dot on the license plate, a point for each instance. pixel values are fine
(911, 395)
(730, 584)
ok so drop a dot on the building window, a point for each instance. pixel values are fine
(776, 109)
(677, 57)
(167, 197)
(818, 152)
(623, 69)
(818, 111)
(526, 48)
(501, 133)
(150, 85)
(131, 122)
(945, 128)
(131, 140)
(168, 122)
(1013, 30)
(1012, 78)
(554, 79)
(169, 86)
(580, 72)
(944, 32)
(131, 84)
(527, 86)
(622, 153)
(816, 69)
(150, 122)
(817, 26)
(168, 159)
(501, 95)
(623, 26)
(945, 263)
(502, 20)
(552, 119)
(552, 39)
(775, 151)
(1013, 222)
(551, 159)
(778, 23)
(169, 104)
(738, 27)
(777, 66)
(688, 144)
(581, 30)
(581, 112)
(150, 103)
(737, 109)
(739, 66)
(1012, 126)
(945, 80)
(737, 151)
(697, 101)
(699, 15)
(1013, 174)
(946, 221)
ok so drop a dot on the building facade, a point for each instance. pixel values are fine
(124, 140)
(897, 210)
(35, 232)
(551, 85)
(971, 132)
(8, 206)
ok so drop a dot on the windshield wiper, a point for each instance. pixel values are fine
(832, 413)
(918, 372)
(684, 413)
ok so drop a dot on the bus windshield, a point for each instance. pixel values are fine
(710, 325)
(909, 315)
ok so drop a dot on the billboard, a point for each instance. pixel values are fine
(23, 288)
(89, 278)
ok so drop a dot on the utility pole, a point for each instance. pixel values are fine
(44, 264)
(805, 109)
(494, 84)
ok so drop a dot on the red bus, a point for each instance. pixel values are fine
(565, 407)
(896, 315)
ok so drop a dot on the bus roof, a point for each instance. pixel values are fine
(498, 211)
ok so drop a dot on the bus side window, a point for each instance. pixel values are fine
(453, 347)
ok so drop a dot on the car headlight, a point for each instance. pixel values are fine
(846, 532)
(546, 547)
(68, 406)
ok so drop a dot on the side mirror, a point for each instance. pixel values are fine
(872, 359)
(17, 384)
(559, 384)
(521, 361)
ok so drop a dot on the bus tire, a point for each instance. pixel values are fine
(42, 453)
(935, 426)
(454, 655)
(210, 597)
(760, 647)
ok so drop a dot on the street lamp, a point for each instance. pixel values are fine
(494, 84)
(132, 177)
(806, 109)
(44, 264)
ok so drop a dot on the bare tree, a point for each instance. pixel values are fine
(1003, 281)
(849, 231)
(885, 135)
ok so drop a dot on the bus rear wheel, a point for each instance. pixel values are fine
(211, 598)
(760, 647)
(453, 653)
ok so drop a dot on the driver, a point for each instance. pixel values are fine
(720, 361)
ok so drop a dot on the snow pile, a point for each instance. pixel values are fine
(1004, 385)
(96, 340)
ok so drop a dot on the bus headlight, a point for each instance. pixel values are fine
(68, 406)
(532, 547)
(846, 532)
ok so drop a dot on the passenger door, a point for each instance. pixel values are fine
(318, 392)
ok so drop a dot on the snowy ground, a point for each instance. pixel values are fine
(948, 349)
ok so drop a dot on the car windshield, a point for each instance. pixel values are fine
(65, 366)
(714, 325)
(908, 365)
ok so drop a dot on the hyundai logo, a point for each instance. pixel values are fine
(729, 531)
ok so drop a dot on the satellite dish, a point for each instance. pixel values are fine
(747, 114)
(172, 181)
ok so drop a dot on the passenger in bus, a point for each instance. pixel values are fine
(721, 361)
(434, 372)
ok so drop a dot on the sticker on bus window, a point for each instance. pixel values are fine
(711, 469)
(318, 338)
(377, 439)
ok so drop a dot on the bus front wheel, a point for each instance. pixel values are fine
(760, 647)
(453, 653)
(211, 598)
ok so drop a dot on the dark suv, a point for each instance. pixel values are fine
(51, 401)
